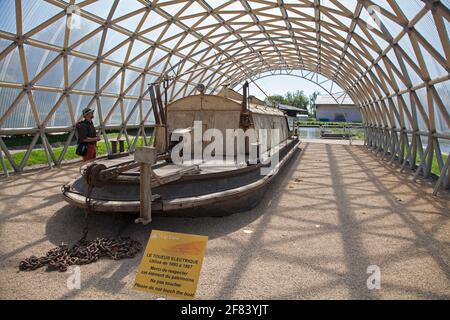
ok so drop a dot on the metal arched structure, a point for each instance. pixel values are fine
(390, 56)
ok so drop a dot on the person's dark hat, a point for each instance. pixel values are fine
(87, 111)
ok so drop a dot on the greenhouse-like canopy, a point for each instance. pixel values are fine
(391, 57)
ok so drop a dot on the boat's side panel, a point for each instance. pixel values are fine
(223, 206)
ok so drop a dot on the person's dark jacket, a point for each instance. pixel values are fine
(85, 129)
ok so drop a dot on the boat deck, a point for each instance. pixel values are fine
(163, 168)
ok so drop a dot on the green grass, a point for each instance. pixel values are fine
(435, 167)
(357, 134)
(38, 156)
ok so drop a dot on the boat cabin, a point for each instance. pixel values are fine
(223, 112)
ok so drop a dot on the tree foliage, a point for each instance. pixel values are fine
(312, 104)
(297, 99)
(276, 99)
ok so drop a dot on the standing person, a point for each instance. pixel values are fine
(87, 135)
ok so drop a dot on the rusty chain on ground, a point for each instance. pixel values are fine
(84, 251)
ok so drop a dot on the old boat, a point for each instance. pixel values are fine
(191, 188)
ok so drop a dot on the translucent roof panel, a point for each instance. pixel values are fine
(57, 57)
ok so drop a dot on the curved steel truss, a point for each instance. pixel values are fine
(391, 57)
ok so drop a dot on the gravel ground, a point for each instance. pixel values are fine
(333, 213)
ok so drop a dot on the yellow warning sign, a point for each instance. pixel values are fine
(171, 264)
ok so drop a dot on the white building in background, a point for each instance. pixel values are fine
(328, 110)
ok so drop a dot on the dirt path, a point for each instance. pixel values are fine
(334, 213)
